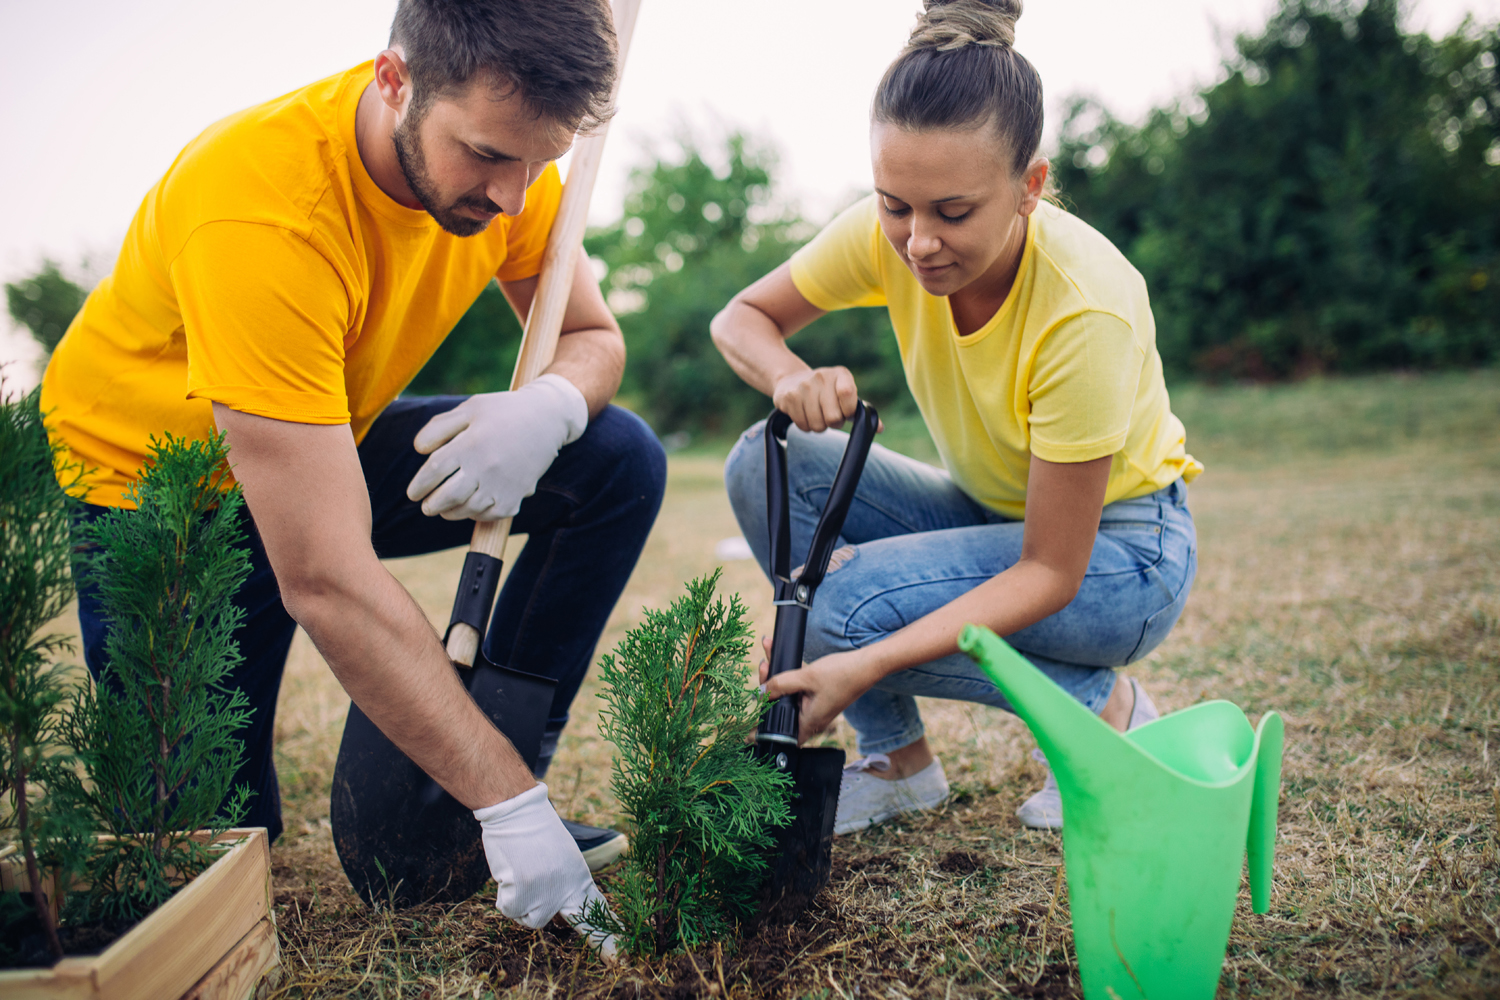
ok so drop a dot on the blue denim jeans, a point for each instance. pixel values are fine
(919, 542)
(585, 527)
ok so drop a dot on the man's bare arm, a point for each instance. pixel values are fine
(305, 488)
(591, 350)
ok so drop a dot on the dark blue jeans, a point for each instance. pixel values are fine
(585, 527)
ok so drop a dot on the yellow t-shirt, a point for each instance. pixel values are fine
(268, 272)
(1066, 370)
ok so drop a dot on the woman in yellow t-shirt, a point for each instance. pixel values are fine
(1029, 346)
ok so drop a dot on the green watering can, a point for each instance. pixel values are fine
(1157, 825)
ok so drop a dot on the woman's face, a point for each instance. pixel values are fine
(950, 205)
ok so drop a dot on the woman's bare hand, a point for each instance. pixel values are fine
(817, 398)
(826, 687)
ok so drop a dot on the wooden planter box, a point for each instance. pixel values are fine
(213, 940)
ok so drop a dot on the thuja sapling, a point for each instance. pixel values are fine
(157, 734)
(37, 777)
(680, 710)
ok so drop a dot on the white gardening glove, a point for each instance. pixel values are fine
(489, 451)
(538, 867)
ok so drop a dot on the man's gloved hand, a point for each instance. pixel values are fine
(538, 866)
(489, 451)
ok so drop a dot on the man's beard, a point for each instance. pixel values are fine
(414, 167)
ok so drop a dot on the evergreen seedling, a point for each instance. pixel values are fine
(157, 735)
(37, 778)
(680, 711)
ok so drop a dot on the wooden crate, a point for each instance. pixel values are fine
(213, 940)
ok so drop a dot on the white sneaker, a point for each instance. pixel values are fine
(865, 799)
(1043, 811)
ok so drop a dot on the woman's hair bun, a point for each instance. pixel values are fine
(960, 70)
(951, 24)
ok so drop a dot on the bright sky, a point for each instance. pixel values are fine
(102, 94)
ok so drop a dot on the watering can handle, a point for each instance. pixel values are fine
(794, 597)
(1261, 846)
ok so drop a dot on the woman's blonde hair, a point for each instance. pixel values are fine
(960, 70)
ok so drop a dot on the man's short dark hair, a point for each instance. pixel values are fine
(560, 55)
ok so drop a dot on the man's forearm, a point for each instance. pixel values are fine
(305, 488)
(384, 652)
(594, 361)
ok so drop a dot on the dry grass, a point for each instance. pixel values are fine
(1358, 594)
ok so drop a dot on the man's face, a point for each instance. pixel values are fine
(471, 156)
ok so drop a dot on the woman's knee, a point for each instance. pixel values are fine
(848, 610)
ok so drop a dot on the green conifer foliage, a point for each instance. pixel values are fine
(157, 735)
(680, 711)
(36, 768)
(45, 303)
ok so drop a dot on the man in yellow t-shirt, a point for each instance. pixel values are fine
(283, 282)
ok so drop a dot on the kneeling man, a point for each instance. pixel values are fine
(285, 279)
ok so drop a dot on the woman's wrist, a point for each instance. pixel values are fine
(924, 640)
(881, 659)
(789, 367)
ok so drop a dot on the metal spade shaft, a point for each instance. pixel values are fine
(803, 856)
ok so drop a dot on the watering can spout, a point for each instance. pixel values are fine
(1261, 846)
(1052, 714)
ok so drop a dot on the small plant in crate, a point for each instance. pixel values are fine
(681, 711)
(157, 733)
(38, 781)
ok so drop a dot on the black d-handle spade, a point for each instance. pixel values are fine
(802, 859)
(794, 597)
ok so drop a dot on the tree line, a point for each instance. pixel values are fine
(1331, 206)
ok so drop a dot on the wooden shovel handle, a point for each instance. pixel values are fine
(544, 319)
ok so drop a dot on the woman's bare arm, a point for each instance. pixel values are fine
(751, 333)
(1063, 505)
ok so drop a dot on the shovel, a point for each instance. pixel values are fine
(401, 838)
(802, 858)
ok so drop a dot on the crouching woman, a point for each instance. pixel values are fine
(1028, 343)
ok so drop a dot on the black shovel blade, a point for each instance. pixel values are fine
(802, 858)
(401, 838)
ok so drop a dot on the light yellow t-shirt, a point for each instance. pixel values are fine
(1066, 370)
(268, 272)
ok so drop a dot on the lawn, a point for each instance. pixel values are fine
(1349, 533)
